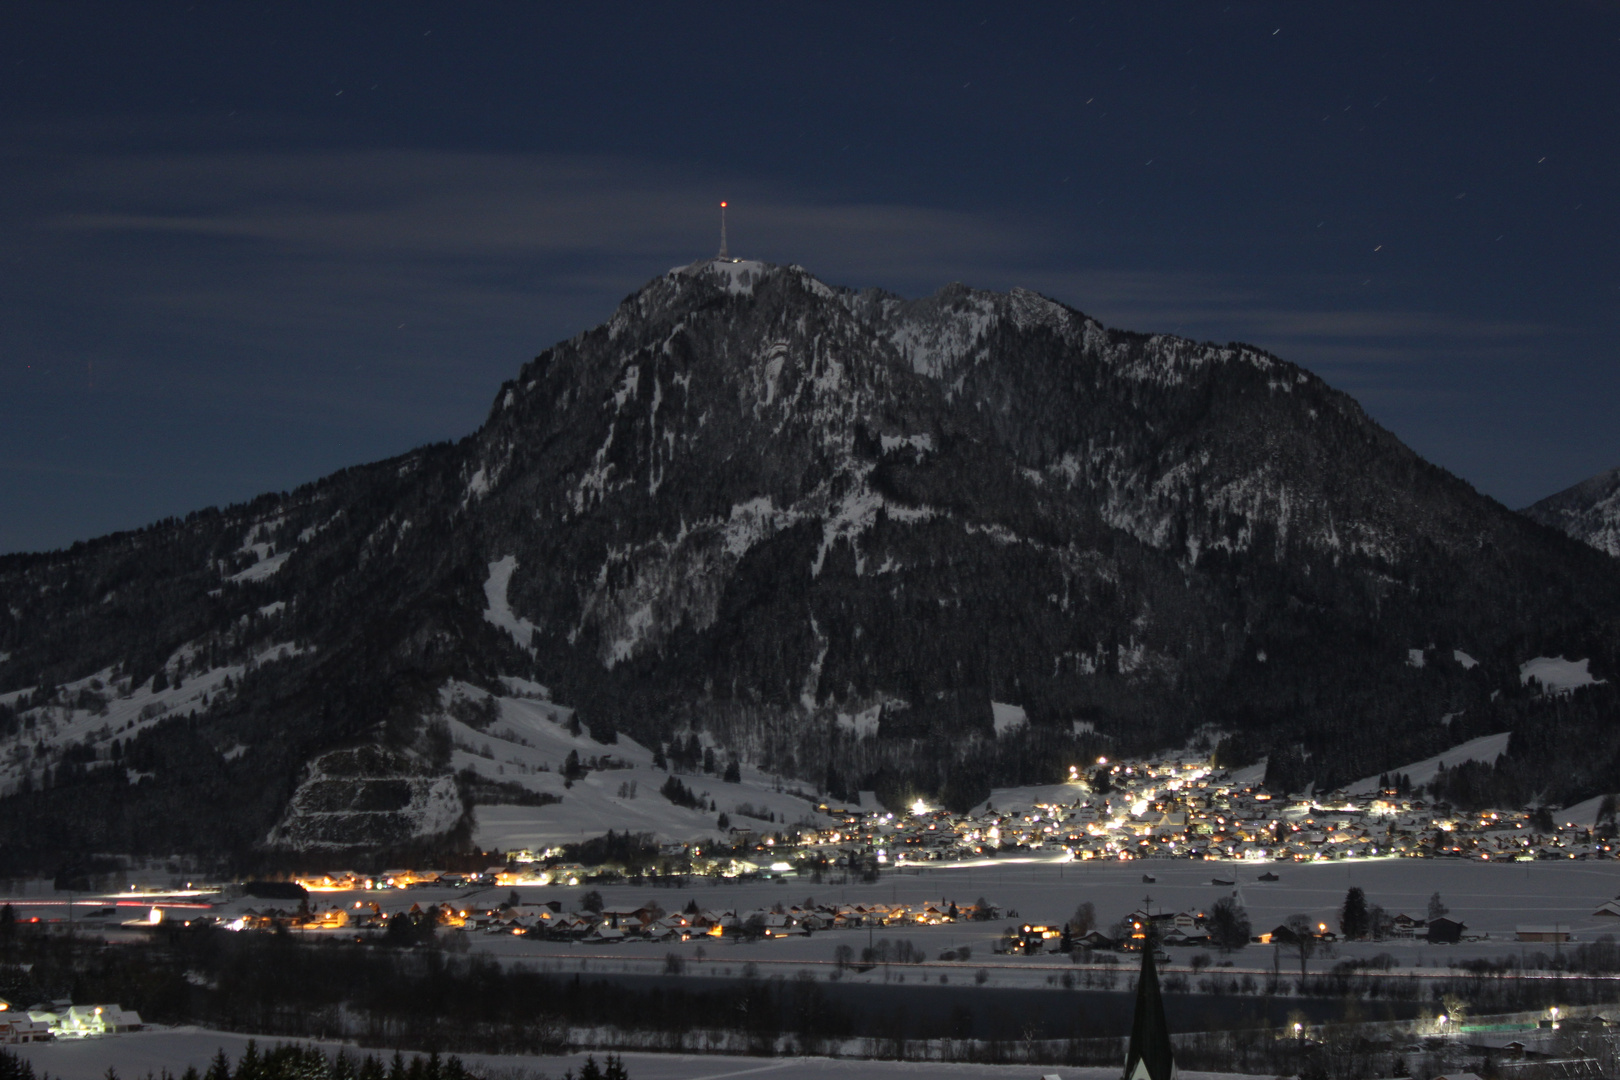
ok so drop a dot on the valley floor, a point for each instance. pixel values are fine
(134, 1055)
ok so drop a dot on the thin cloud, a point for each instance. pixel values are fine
(462, 205)
(340, 239)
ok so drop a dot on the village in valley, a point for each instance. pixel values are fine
(1148, 815)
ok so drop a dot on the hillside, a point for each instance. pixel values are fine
(856, 542)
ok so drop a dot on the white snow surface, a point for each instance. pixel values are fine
(499, 612)
(173, 1049)
(1486, 748)
(1468, 662)
(922, 444)
(1250, 774)
(262, 569)
(862, 723)
(1415, 658)
(1581, 813)
(1558, 675)
(528, 744)
(740, 275)
(1008, 718)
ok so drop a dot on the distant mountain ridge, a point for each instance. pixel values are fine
(827, 529)
(1589, 511)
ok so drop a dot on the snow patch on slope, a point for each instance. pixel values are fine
(1558, 675)
(863, 723)
(499, 611)
(95, 710)
(1485, 749)
(262, 569)
(527, 745)
(1008, 718)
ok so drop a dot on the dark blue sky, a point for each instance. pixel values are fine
(245, 244)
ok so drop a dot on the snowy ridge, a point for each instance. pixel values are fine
(1589, 511)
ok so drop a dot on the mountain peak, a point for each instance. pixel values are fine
(1588, 511)
(834, 531)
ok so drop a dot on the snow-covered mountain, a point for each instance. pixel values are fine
(1589, 511)
(849, 540)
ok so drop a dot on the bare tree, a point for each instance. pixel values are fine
(1301, 937)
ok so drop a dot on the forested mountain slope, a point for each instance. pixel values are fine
(826, 529)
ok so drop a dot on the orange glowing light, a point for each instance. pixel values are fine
(722, 205)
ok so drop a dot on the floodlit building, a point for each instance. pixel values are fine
(88, 1021)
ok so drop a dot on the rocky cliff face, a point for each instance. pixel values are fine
(1589, 511)
(828, 529)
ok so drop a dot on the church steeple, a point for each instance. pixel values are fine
(1149, 1056)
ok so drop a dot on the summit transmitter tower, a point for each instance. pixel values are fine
(724, 254)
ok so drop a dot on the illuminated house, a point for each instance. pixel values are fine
(88, 1021)
(17, 1026)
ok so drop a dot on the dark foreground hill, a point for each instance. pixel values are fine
(828, 530)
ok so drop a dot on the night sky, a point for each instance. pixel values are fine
(246, 244)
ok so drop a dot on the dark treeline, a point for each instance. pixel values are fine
(411, 998)
(397, 991)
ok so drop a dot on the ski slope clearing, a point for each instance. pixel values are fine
(1486, 748)
(499, 611)
(528, 744)
(1008, 718)
(1558, 675)
(1584, 814)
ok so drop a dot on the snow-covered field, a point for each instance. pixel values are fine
(1490, 899)
(173, 1049)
